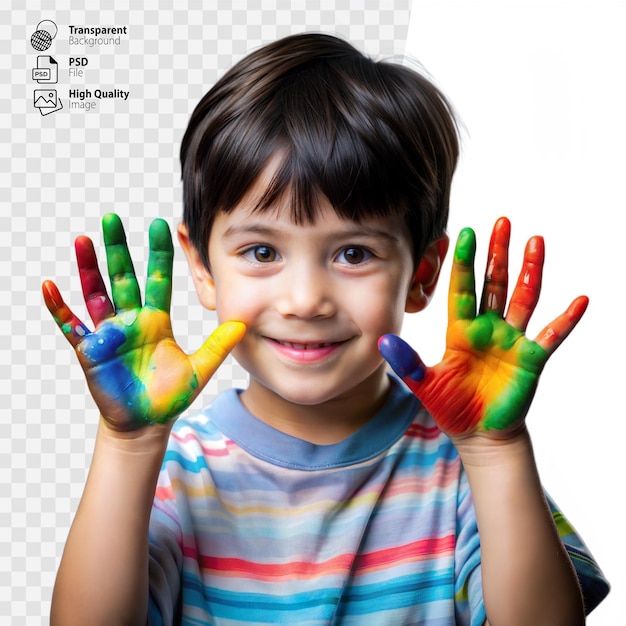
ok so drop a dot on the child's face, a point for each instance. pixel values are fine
(315, 299)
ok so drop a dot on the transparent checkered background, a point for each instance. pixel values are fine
(59, 174)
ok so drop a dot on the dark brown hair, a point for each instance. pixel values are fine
(374, 138)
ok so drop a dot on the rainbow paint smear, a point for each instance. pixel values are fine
(136, 372)
(490, 369)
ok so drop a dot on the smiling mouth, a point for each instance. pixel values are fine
(307, 353)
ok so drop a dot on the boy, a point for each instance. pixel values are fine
(316, 187)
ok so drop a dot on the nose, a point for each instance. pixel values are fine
(305, 292)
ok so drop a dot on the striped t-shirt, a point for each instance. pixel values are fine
(253, 526)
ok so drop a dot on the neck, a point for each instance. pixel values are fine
(321, 424)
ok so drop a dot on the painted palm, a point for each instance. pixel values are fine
(490, 369)
(136, 372)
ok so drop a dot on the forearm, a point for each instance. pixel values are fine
(527, 575)
(103, 576)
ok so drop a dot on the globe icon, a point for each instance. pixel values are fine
(41, 40)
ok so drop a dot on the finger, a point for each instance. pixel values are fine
(497, 270)
(526, 293)
(215, 349)
(124, 286)
(404, 361)
(73, 329)
(553, 335)
(462, 293)
(159, 283)
(94, 290)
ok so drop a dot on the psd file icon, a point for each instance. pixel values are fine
(47, 70)
(47, 101)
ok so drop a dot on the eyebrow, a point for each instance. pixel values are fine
(257, 229)
(267, 231)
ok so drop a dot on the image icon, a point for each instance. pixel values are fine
(42, 38)
(47, 101)
(47, 70)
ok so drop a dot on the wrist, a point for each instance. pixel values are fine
(483, 450)
(149, 439)
(132, 459)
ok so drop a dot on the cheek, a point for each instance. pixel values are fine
(381, 310)
(381, 319)
(237, 301)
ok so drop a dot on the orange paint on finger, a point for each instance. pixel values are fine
(555, 333)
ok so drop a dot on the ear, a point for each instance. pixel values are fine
(426, 275)
(202, 279)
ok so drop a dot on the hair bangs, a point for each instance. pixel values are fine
(327, 153)
(370, 138)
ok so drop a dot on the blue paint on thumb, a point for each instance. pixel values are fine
(404, 361)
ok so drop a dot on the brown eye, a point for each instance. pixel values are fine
(354, 255)
(264, 254)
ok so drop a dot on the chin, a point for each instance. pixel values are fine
(302, 391)
(307, 397)
(305, 392)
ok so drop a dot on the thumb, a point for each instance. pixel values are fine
(404, 361)
(215, 349)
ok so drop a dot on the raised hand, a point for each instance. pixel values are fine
(490, 369)
(135, 370)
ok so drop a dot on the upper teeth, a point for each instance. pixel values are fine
(304, 346)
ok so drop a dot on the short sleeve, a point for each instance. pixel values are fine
(592, 581)
(165, 556)
(468, 591)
